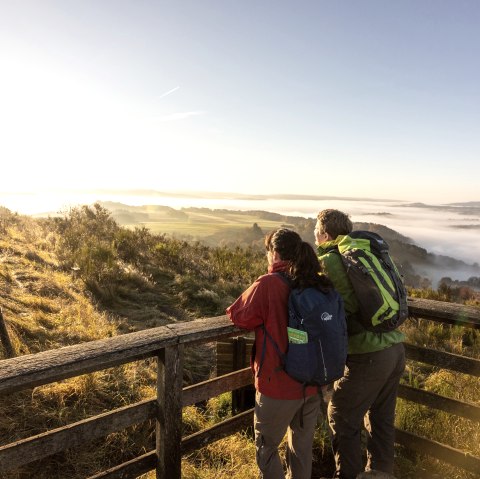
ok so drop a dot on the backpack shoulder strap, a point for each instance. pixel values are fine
(354, 324)
(332, 248)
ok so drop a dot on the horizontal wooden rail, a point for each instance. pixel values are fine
(438, 450)
(42, 368)
(83, 432)
(443, 360)
(131, 469)
(435, 401)
(450, 313)
(219, 431)
(213, 387)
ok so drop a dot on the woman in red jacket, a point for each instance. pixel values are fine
(281, 403)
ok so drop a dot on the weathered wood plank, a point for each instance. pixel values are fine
(5, 338)
(239, 353)
(227, 345)
(49, 366)
(169, 420)
(443, 360)
(204, 329)
(432, 400)
(213, 387)
(223, 429)
(226, 354)
(438, 450)
(131, 469)
(83, 432)
(451, 313)
(36, 369)
(224, 348)
(225, 357)
(241, 359)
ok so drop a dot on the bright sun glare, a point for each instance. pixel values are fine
(70, 133)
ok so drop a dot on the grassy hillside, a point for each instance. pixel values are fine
(82, 277)
(46, 307)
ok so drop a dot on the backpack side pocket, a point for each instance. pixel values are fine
(301, 362)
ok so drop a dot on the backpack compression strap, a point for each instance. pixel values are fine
(266, 335)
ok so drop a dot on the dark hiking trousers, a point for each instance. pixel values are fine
(366, 395)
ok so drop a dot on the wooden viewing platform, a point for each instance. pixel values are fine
(167, 344)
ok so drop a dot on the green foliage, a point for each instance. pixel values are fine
(5, 219)
(135, 246)
(87, 242)
(448, 293)
(109, 258)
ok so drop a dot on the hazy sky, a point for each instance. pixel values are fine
(371, 98)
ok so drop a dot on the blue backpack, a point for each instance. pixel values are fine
(317, 333)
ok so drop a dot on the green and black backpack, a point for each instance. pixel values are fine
(378, 286)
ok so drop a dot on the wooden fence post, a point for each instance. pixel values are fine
(238, 363)
(169, 421)
(5, 338)
(244, 398)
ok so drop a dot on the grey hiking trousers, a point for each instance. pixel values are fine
(366, 395)
(275, 417)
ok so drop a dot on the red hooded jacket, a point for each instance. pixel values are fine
(266, 302)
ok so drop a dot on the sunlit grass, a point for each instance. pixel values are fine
(200, 224)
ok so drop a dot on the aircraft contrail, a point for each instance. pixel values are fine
(169, 92)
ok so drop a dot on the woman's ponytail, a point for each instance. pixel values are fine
(306, 271)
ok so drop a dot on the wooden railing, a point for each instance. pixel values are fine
(167, 345)
(447, 313)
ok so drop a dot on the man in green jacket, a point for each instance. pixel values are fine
(367, 394)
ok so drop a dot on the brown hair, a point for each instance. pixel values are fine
(304, 268)
(334, 222)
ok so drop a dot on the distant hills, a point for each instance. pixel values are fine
(215, 227)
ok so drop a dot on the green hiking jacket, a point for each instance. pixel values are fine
(359, 339)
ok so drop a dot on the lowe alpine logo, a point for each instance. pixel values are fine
(326, 316)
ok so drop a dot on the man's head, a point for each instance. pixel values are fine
(330, 224)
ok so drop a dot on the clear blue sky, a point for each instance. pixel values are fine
(372, 98)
